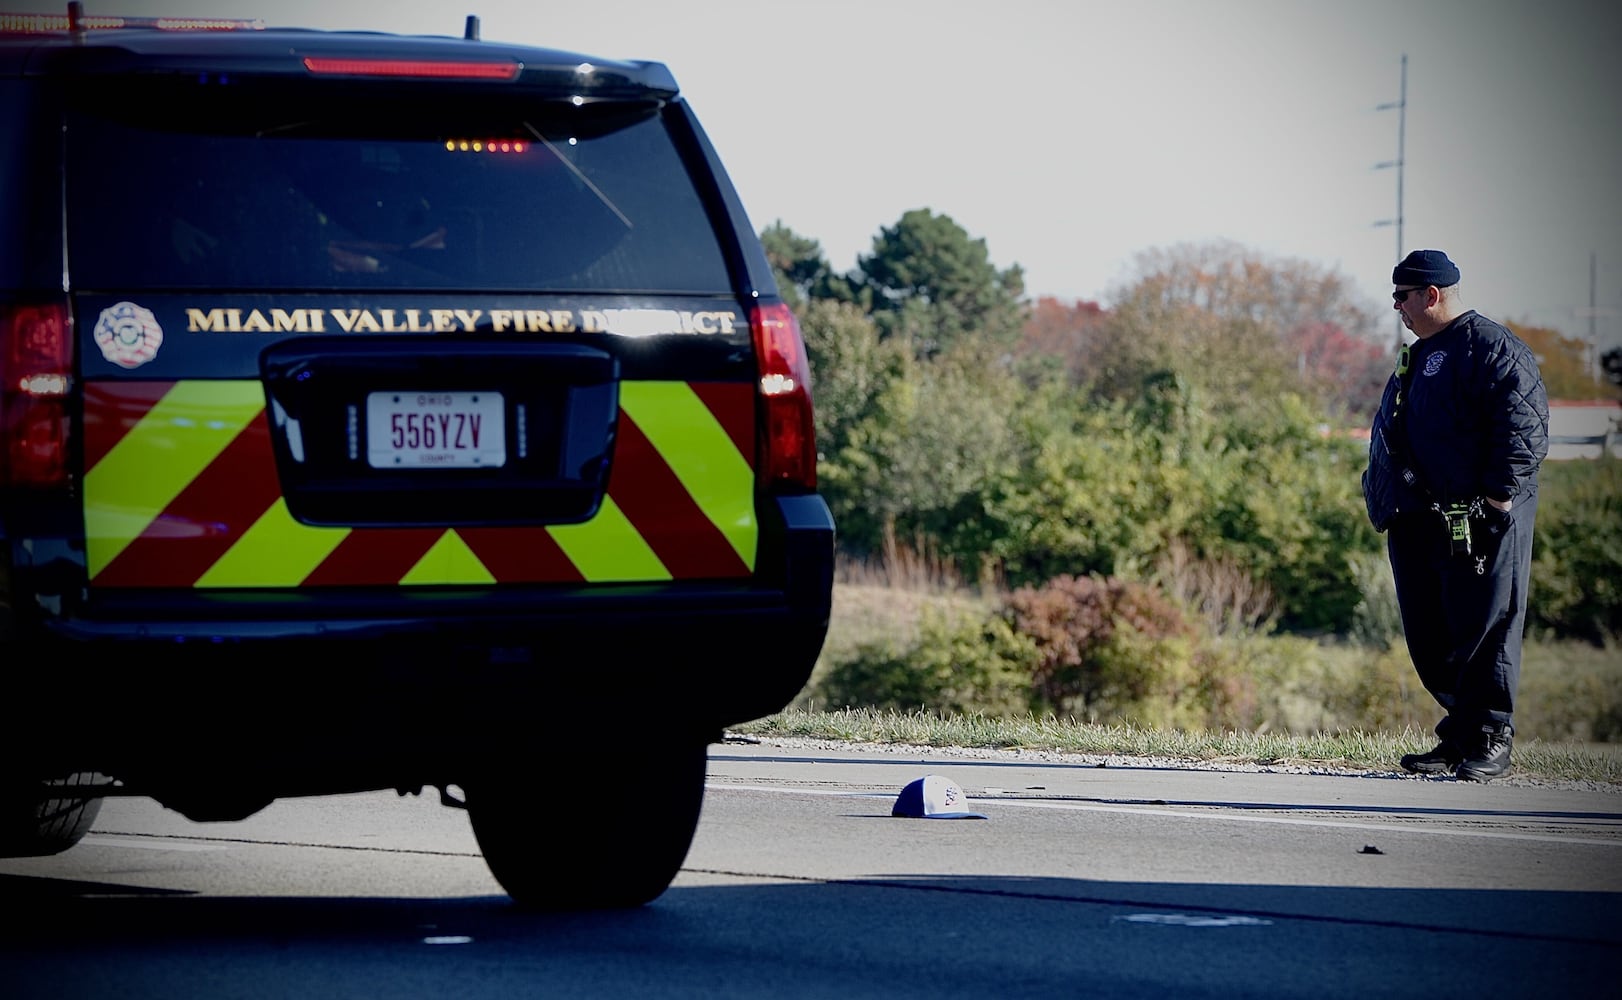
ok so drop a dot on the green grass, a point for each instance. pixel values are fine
(1359, 751)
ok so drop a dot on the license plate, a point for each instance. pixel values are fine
(447, 430)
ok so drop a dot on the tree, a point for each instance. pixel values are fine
(1563, 362)
(1153, 334)
(1232, 281)
(1241, 324)
(1067, 335)
(797, 261)
(852, 370)
(919, 463)
(803, 273)
(933, 286)
(1345, 372)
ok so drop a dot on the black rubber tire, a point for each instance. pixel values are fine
(32, 827)
(615, 843)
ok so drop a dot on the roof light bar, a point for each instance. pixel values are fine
(461, 69)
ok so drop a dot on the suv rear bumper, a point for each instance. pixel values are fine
(360, 691)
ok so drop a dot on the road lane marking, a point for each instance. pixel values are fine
(1193, 920)
(107, 840)
(1223, 816)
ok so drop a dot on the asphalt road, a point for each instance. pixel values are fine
(1098, 881)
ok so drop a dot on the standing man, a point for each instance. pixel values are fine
(1453, 477)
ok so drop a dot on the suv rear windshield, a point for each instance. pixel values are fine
(245, 193)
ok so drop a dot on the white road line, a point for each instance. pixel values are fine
(147, 844)
(1227, 817)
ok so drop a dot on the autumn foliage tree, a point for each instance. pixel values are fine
(1241, 324)
(1345, 371)
(1062, 335)
(1564, 363)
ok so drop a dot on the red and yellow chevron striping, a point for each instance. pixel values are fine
(181, 490)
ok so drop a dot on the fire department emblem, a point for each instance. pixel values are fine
(1433, 364)
(129, 336)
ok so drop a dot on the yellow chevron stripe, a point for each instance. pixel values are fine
(174, 442)
(449, 561)
(701, 454)
(276, 551)
(608, 548)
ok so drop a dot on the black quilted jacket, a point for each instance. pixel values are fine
(1475, 422)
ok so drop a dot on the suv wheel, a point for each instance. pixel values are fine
(616, 842)
(32, 824)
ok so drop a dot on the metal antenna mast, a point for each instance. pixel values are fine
(1401, 105)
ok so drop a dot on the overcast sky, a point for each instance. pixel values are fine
(1071, 135)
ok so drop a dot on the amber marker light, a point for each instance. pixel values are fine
(497, 146)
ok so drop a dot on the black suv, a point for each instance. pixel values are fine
(384, 412)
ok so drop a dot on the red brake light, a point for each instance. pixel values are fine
(36, 368)
(789, 452)
(466, 69)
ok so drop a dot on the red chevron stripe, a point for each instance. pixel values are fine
(656, 502)
(733, 404)
(205, 520)
(111, 409)
(374, 556)
(520, 555)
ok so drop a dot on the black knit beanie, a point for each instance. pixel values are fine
(1426, 267)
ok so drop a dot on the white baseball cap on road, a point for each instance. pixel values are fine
(933, 797)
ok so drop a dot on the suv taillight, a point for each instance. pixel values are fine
(789, 451)
(36, 366)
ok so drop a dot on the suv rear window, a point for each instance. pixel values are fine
(248, 194)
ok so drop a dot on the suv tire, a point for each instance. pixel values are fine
(613, 843)
(34, 825)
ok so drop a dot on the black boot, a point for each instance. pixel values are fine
(1488, 757)
(1443, 758)
(1440, 759)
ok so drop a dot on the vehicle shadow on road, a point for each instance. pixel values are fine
(66, 938)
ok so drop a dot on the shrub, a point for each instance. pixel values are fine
(1146, 681)
(1227, 686)
(1374, 688)
(1104, 646)
(1570, 691)
(1219, 591)
(1281, 675)
(1377, 620)
(1577, 551)
(959, 664)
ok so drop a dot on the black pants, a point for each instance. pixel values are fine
(1463, 616)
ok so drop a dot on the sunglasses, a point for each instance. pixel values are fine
(1401, 295)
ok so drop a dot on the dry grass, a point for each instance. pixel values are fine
(1597, 763)
(881, 602)
(1356, 706)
